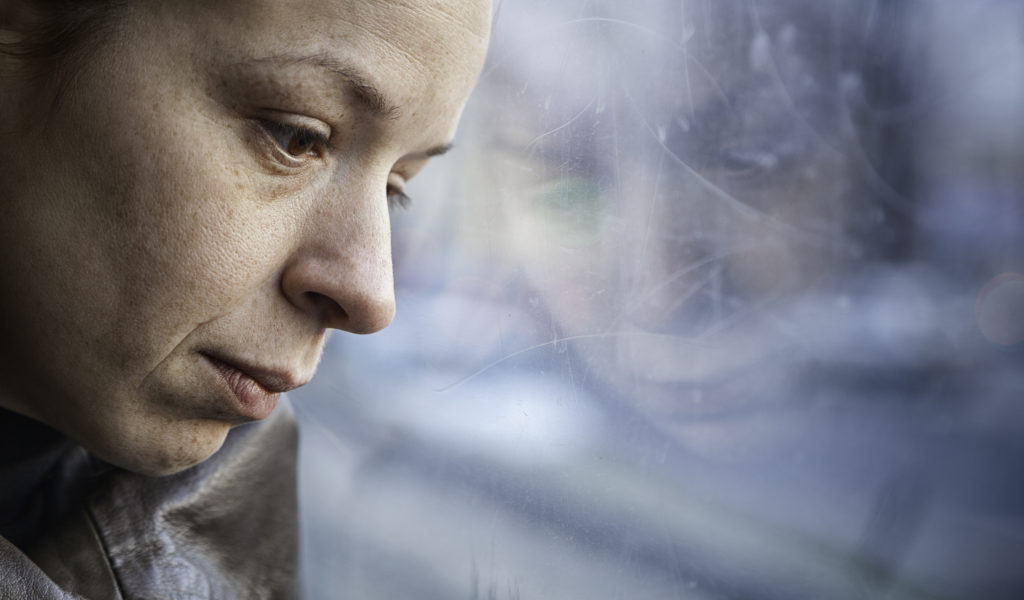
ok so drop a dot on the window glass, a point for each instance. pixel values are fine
(711, 300)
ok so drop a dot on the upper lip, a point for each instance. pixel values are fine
(273, 380)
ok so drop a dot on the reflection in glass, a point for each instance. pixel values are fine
(712, 300)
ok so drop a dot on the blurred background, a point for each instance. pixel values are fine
(714, 299)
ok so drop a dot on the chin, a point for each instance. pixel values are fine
(165, 449)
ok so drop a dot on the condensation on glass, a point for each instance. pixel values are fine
(714, 299)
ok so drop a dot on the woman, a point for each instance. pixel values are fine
(192, 194)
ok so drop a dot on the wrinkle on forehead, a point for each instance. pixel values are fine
(423, 31)
(422, 56)
(475, 20)
(425, 53)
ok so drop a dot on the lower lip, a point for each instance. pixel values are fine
(253, 400)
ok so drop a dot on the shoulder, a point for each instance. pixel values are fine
(22, 578)
(227, 527)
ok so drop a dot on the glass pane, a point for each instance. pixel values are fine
(711, 300)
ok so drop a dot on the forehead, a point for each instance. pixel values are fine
(423, 53)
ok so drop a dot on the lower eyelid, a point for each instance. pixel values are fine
(269, 149)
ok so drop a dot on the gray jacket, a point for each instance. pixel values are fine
(72, 526)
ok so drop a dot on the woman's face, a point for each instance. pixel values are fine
(673, 229)
(208, 198)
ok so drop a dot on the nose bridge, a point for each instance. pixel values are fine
(341, 272)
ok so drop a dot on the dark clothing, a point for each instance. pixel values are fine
(73, 526)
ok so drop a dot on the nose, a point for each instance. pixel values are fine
(341, 273)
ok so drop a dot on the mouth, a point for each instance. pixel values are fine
(256, 389)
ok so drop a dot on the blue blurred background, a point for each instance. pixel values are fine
(713, 299)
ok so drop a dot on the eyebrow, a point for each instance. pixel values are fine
(369, 95)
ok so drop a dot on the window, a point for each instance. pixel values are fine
(711, 300)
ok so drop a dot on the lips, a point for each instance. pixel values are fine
(255, 389)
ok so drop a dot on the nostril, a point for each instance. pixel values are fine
(328, 311)
(357, 314)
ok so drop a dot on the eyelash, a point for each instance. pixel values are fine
(283, 134)
(397, 198)
(318, 142)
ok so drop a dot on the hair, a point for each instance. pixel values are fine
(57, 38)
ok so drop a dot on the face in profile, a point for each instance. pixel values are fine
(208, 197)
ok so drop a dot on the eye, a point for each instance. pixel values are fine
(397, 198)
(296, 141)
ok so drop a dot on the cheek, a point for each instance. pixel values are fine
(180, 233)
(199, 237)
(183, 230)
(160, 192)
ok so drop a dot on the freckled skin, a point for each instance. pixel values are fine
(150, 218)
